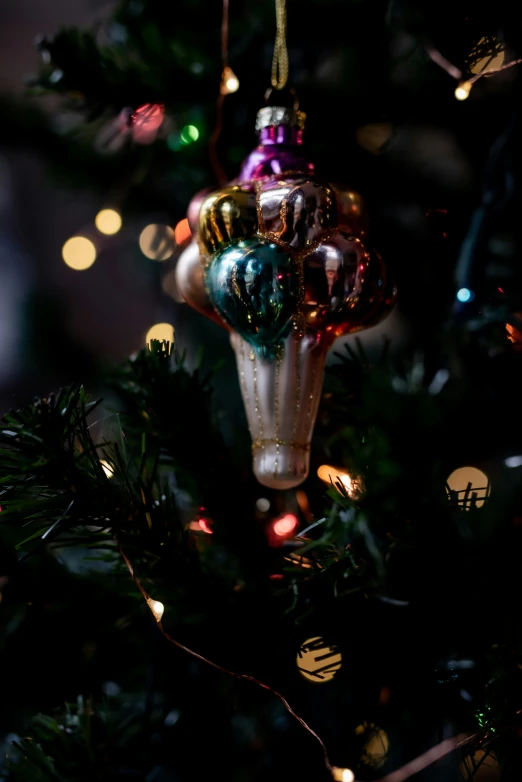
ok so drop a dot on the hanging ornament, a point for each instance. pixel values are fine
(278, 259)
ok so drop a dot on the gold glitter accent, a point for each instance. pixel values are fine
(279, 360)
(242, 379)
(297, 342)
(311, 397)
(260, 443)
(256, 397)
(261, 227)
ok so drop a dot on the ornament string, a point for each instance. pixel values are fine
(243, 676)
(219, 172)
(399, 775)
(280, 58)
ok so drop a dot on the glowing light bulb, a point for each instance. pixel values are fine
(107, 468)
(285, 525)
(157, 609)
(108, 221)
(329, 474)
(229, 81)
(463, 90)
(79, 253)
(157, 242)
(161, 331)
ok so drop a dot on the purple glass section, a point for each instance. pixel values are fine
(279, 150)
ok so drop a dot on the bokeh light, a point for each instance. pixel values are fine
(157, 242)
(108, 221)
(491, 62)
(464, 295)
(285, 525)
(189, 134)
(79, 253)
(262, 504)
(478, 483)
(318, 661)
(161, 331)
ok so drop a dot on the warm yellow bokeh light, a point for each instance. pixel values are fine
(157, 242)
(161, 331)
(490, 63)
(317, 661)
(108, 221)
(458, 483)
(157, 609)
(377, 744)
(107, 468)
(483, 766)
(79, 253)
(329, 474)
(463, 90)
(342, 774)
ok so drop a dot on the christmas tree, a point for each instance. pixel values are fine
(191, 584)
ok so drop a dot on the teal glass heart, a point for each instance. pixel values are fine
(254, 286)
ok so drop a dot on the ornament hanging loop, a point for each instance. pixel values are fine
(280, 58)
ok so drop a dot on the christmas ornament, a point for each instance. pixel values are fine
(278, 259)
(318, 661)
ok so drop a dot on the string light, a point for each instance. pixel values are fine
(107, 468)
(108, 222)
(157, 609)
(229, 81)
(161, 331)
(462, 90)
(79, 253)
(329, 474)
(342, 774)
(157, 242)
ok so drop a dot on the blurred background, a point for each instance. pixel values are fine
(93, 221)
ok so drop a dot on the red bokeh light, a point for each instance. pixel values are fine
(146, 121)
(285, 526)
(203, 524)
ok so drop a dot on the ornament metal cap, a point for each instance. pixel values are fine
(273, 116)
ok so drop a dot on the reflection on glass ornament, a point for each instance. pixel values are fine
(279, 261)
(157, 242)
(145, 122)
(468, 487)
(318, 661)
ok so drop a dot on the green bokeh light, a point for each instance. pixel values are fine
(189, 134)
